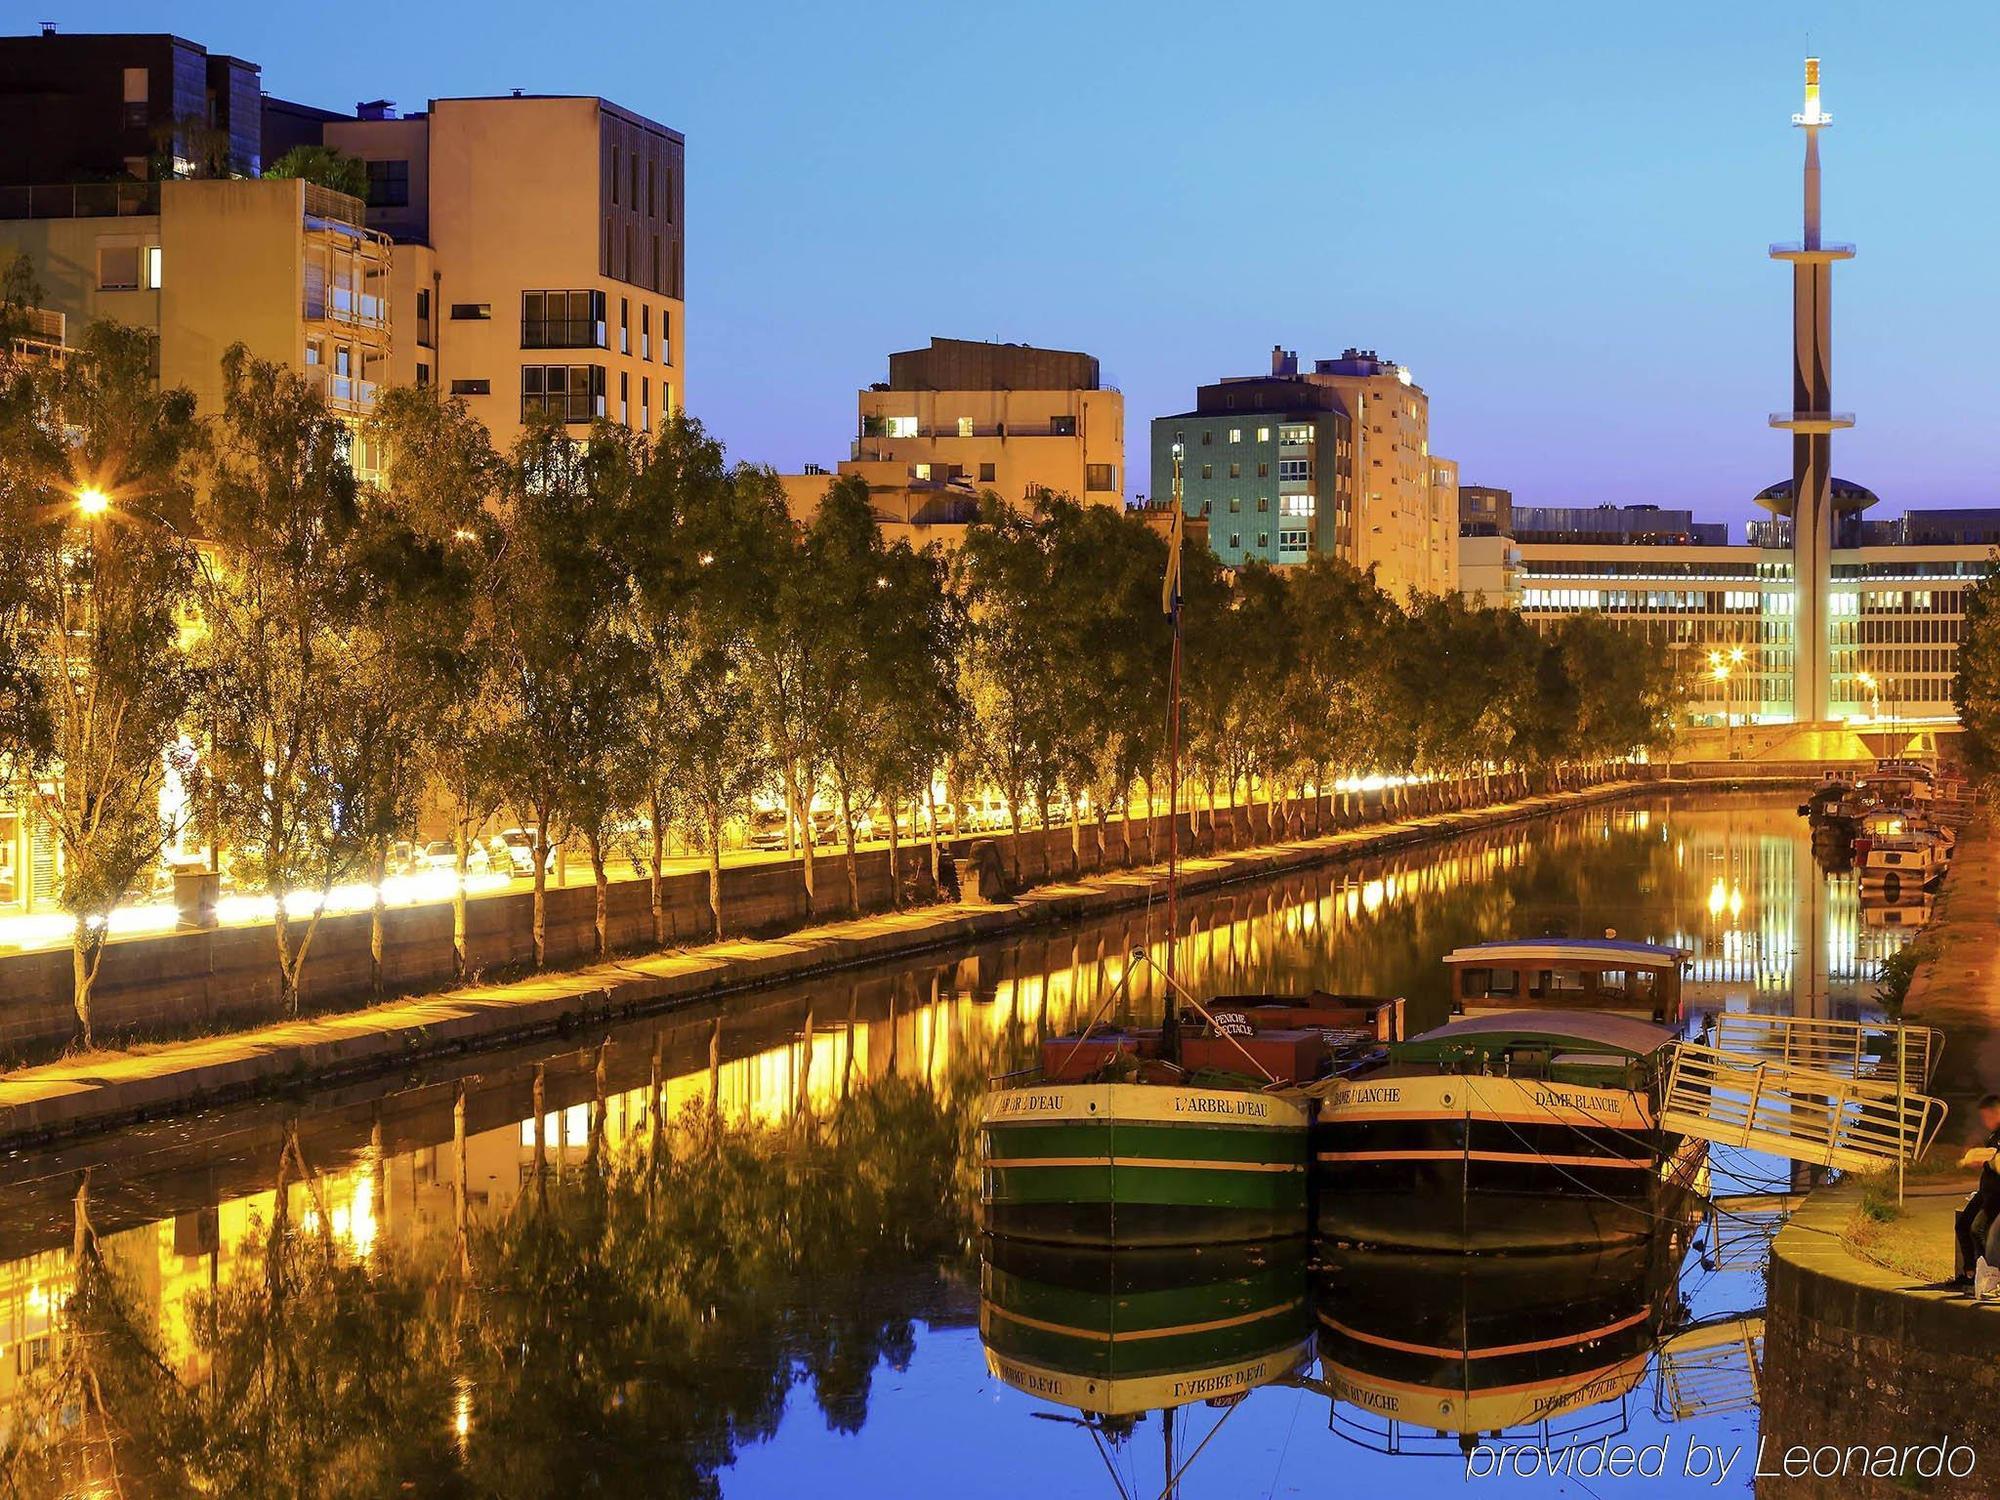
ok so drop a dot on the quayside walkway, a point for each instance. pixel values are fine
(107, 1088)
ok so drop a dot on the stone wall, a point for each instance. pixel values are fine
(1853, 1356)
(181, 983)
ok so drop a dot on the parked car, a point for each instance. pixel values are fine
(442, 854)
(767, 828)
(513, 850)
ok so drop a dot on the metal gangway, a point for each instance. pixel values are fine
(1853, 1049)
(1710, 1369)
(1816, 1104)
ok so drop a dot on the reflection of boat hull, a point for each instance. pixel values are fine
(1142, 1164)
(1446, 1344)
(1120, 1332)
(1459, 1162)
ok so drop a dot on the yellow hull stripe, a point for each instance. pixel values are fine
(1137, 1335)
(1528, 1157)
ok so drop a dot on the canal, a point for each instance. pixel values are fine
(732, 1252)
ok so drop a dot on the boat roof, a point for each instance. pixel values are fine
(1583, 950)
(1590, 1028)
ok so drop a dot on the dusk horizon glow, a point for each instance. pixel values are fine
(1557, 222)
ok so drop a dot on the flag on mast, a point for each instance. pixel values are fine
(1170, 589)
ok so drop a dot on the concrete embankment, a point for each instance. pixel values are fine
(1856, 1353)
(101, 1090)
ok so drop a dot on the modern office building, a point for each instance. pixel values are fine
(1895, 608)
(1009, 418)
(1374, 494)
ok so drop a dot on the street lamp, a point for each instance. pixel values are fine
(92, 502)
(1867, 680)
(1720, 672)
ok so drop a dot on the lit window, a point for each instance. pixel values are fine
(965, 427)
(923, 471)
(1236, 434)
(153, 267)
(899, 427)
(1263, 434)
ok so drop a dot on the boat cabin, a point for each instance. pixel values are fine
(1555, 973)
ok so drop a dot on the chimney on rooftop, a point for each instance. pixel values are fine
(1284, 361)
(376, 109)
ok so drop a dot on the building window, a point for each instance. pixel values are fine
(1208, 471)
(138, 93)
(666, 337)
(614, 175)
(1236, 471)
(388, 184)
(1263, 434)
(423, 374)
(645, 331)
(625, 397)
(424, 335)
(1207, 437)
(471, 312)
(472, 387)
(923, 471)
(574, 393)
(1235, 504)
(1100, 477)
(562, 320)
(965, 427)
(892, 427)
(1235, 541)
(624, 325)
(1263, 471)
(986, 473)
(1062, 426)
(120, 267)
(1206, 506)
(1263, 541)
(645, 404)
(1236, 434)
(1263, 502)
(1295, 468)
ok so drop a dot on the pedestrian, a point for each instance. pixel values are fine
(1979, 1220)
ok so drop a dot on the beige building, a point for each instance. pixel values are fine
(1009, 418)
(538, 250)
(908, 509)
(286, 268)
(1405, 499)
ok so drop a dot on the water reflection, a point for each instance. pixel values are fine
(647, 1257)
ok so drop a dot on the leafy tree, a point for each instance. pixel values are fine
(326, 166)
(285, 656)
(1975, 686)
(911, 670)
(94, 467)
(565, 661)
(440, 480)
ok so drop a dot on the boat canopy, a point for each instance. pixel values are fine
(1606, 953)
(1569, 1030)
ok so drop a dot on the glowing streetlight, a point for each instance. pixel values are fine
(92, 502)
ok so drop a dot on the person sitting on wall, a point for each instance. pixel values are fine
(1977, 1226)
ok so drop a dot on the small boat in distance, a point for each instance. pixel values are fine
(1642, 980)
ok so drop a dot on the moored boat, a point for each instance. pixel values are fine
(1642, 980)
(1523, 1131)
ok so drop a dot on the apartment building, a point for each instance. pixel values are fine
(1009, 418)
(1268, 463)
(539, 251)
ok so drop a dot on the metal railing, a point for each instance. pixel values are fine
(1734, 1099)
(342, 390)
(1709, 1370)
(330, 203)
(1852, 1049)
(80, 200)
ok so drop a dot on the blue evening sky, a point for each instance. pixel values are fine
(1555, 214)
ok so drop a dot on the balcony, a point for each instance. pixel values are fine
(344, 393)
(563, 333)
(1812, 421)
(81, 200)
(336, 208)
(1794, 251)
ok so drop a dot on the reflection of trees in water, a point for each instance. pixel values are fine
(622, 1329)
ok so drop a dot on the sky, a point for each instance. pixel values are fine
(1555, 214)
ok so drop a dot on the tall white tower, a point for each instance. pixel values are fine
(1811, 422)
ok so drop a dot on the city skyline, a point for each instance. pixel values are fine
(1547, 215)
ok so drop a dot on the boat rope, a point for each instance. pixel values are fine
(1202, 1011)
(1098, 1015)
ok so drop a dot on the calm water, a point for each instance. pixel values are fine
(347, 1294)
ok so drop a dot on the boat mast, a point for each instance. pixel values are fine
(1170, 1041)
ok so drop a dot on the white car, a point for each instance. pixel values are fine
(442, 854)
(513, 850)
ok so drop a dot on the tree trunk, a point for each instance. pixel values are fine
(659, 879)
(1014, 818)
(847, 842)
(895, 859)
(937, 850)
(1075, 838)
(378, 922)
(802, 814)
(602, 923)
(541, 905)
(86, 952)
(462, 858)
(715, 872)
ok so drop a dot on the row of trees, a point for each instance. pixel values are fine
(626, 636)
